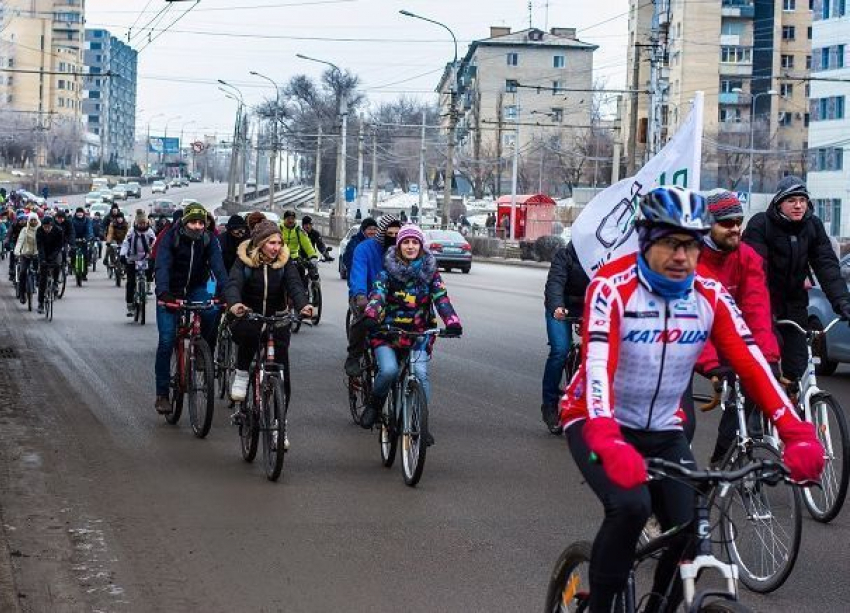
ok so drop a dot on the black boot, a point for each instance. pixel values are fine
(372, 412)
(551, 417)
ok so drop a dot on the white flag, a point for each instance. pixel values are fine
(605, 229)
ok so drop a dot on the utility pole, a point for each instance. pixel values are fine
(450, 150)
(317, 185)
(375, 167)
(633, 112)
(243, 146)
(657, 85)
(258, 136)
(515, 167)
(422, 163)
(234, 154)
(360, 152)
(341, 212)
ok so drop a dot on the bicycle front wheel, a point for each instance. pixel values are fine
(48, 305)
(63, 281)
(569, 584)
(201, 394)
(249, 427)
(761, 524)
(317, 303)
(413, 432)
(273, 425)
(225, 363)
(825, 502)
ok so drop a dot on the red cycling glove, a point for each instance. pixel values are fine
(622, 463)
(804, 454)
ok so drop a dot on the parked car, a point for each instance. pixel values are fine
(343, 244)
(159, 187)
(162, 206)
(134, 189)
(450, 248)
(93, 198)
(120, 191)
(172, 183)
(184, 181)
(835, 347)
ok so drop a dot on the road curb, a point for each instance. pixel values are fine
(8, 588)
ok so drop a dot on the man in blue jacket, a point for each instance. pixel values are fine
(367, 263)
(368, 229)
(185, 259)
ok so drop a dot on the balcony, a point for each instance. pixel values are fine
(736, 69)
(737, 8)
(732, 98)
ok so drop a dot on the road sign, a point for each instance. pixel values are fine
(198, 146)
(744, 197)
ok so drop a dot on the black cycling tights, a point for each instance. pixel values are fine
(626, 513)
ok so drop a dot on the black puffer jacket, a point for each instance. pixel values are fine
(788, 249)
(567, 283)
(264, 288)
(50, 243)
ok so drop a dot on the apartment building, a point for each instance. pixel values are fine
(829, 104)
(750, 57)
(45, 37)
(109, 103)
(542, 81)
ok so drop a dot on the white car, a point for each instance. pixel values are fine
(159, 187)
(187, 201)
(269, 215)
(120, 191)
(134, 189)
(93, 198)
(99, 208)
(107, 196)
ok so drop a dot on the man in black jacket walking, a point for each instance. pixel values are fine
(564, 297)
(791, 239)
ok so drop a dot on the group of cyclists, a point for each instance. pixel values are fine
(701, 294)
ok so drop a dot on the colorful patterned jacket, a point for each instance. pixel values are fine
(404, 296)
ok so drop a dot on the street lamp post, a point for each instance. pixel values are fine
(234, 147)
(165, 139)
(339, 210)
(183, 127)
(273, 161)
(753, 98)
(238, 141)
(452, 131)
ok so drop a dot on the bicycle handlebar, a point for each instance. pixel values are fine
(439, 332)
(769, 470)
(284, 318)
(802, 330)
(188, 305)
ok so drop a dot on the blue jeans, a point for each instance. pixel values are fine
(560, 339)
(166, 323)
(388, 369)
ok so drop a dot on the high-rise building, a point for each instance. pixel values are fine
(109, 103)
(41, 48)
(829, 104)
(540, 80)
(745, 55)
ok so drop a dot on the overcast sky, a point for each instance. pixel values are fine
(225, 39)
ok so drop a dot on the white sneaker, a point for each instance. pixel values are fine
(240, 386)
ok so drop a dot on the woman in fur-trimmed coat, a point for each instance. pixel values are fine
(262, 280)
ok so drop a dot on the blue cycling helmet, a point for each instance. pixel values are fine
(20, 214)
(676, 207)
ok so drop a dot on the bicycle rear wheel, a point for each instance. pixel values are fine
(569, 584)
(761, 524)
(30, 291)
(828, 418)
(177, 390)
(201, 393)
(388, 431)
(225, 365)
(48, 302)
(63, 281)
(273, 420)
(413, 431)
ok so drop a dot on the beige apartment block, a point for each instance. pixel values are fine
(43, 41)
(744, 55)
(540, 80)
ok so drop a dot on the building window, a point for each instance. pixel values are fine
(787, 61)
(806, 119)
(508, 140)
(789, 32)
(789, 5)
(808, 62)
(809, 32)
(513, 59)
(732, 115)
(61, 103)
(786, 119)
(559, 61)
(511, 85)
(826, 109)
(557, 115)
(732, 28)
(727, 85)
(786, 90)
(96, 46)
(511, 112)
(736, 55)
(829, 212)
(60, 84)
(557, 87)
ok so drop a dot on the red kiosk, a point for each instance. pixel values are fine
(533, 216)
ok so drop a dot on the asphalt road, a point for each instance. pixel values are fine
(210, 194)
(125, 513)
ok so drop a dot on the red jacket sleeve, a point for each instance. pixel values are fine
(754, 302)
(735, 341)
